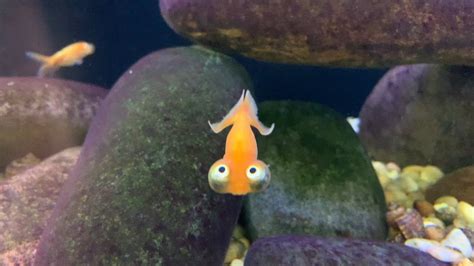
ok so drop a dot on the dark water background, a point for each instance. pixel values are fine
(124, 31)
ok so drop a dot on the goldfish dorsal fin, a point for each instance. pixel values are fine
(229, 118)
(254, 121)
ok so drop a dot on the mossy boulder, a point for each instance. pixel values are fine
(421, 114)
(139, 193)
(306, 251)
(44, 116)
(322, 180)
(358, 33)
(27, 200)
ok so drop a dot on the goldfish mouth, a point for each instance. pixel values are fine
(91, 48)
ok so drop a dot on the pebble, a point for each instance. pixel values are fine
(236, 250)
(237, 262)
(449, 200)
(404, 186)
(424, 208)
(435, 233)
(466, 212)
(404, 189)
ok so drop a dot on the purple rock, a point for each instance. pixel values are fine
(302, 250)
(421, 114)
(26, 202)
(44, 116)
(331, 32)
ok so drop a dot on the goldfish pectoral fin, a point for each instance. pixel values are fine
(216, 128)
(228, 119)
(37, 57)
(264, 131)
(78, 62)
(46, 70)
(255, 122)
(219, 126)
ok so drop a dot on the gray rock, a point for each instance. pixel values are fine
(420, 114)
(322, 180)
(27, 200)
(302, 251)
(139, 193)
(44, 116)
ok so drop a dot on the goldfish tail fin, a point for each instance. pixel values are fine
(229, 118)
(37, 57)
(46, 70)
(255, 122)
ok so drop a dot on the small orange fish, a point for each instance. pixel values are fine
(68, 56)
(240, 172)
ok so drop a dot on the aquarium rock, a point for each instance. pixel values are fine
(21, 164)
(420, 114)
(19, 35)
(28, 198)
(139, 193)
(303, 250)
(459, 184)
(360, 33)
(322, 183)
(44, 116)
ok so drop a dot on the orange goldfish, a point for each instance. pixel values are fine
(240, 172)
(70, 55)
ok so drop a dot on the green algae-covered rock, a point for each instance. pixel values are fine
(322, 181)
(26, 202)
(44, 116)
(331, 32)
(421, 114)
(139, 193)
(308, 251)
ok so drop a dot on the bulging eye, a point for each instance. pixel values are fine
(259, 176)
(219, 173)
(219, 176)
(256, 173)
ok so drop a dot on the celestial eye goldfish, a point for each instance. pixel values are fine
(70, 55)
(239, 172)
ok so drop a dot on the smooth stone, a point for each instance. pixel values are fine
(303, 250)
(23, 254)
(359, 33)
(20, 165)
(139, 194)
(27, 200)
(419, 114)
(322, 182)
(459, 184)
(44, 116)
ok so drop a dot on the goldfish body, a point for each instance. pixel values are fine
(240, 172)
(68, 56)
